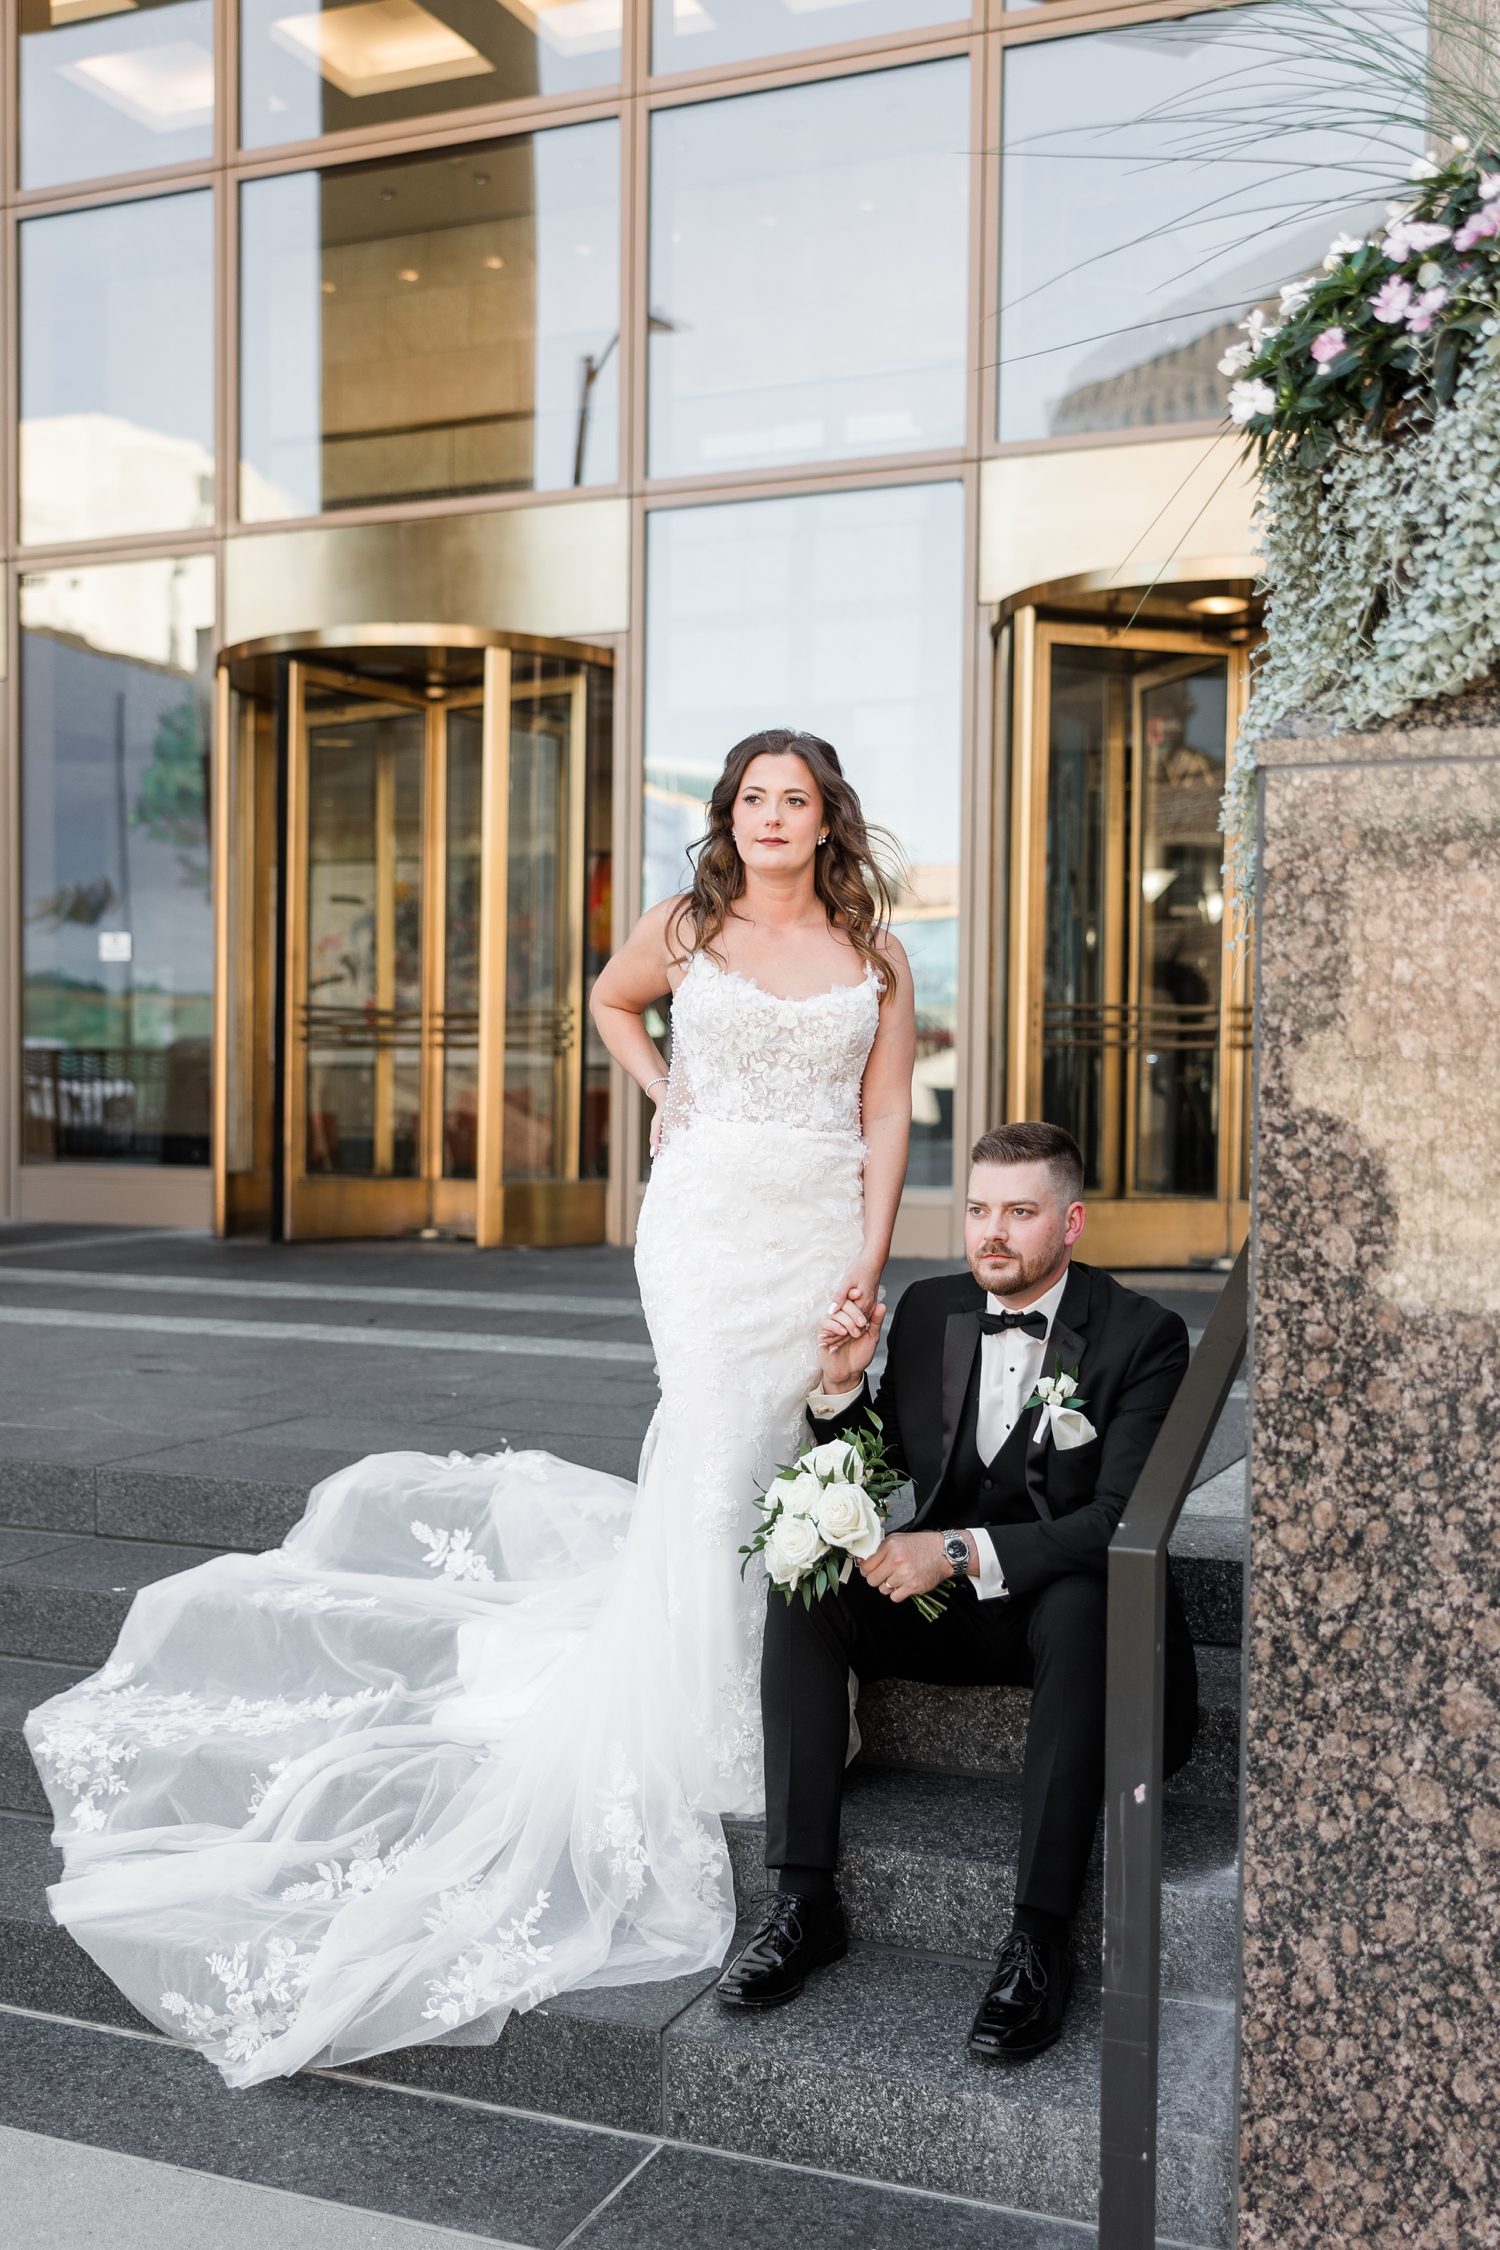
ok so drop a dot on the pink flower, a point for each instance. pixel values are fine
(1392, 301)
(1408, 236)
(1328, 345)
(1478, 228)
(1420, 319)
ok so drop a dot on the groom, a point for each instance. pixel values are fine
(1017, 1510)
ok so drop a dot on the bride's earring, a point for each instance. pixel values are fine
(824, 837)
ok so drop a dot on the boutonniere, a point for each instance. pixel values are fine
(1062, 1409)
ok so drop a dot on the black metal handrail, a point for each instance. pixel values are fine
(1135, 1673)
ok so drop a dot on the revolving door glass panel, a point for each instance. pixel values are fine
(445, 837)
(1138, 1011)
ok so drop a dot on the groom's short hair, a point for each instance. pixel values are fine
(1031, 1142)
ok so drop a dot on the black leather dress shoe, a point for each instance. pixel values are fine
(797, 1934)
(1022, 2013)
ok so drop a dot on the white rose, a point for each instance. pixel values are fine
(846, 1517)
(838, 1460)
(798, 1494)
(792, 1549)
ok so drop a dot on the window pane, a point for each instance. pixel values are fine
(432, 326)
(1128, 257)
(809, 272)
(116, 685)
(103, 91)
(117, 361)
(310, 70)
(841, 613)
(696, 34)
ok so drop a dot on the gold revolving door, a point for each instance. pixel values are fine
(414, 844)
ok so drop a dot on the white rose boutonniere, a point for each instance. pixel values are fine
(1057, 1394)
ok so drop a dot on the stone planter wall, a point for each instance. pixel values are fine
(1370, 2054)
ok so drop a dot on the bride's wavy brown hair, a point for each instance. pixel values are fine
(858, 894)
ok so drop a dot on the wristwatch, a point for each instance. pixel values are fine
(956, 1548)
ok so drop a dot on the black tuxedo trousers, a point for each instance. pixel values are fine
(1050, 1639)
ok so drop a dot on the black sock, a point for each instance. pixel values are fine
(815, 1883)
(1047, 1929)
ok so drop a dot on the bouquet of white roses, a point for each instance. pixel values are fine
(826, 1511)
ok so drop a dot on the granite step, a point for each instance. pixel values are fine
(22, 1687)
(64, 1600)
(982, 1730)
(867, 2075)
(928, 1862)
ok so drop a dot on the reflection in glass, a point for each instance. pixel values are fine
(117, 407)
(364, 941)
(541, 1033)
(307, 70)
(1128, 255)
(117, 944)
(809, 263)
(106, 91)
(842, 613)
(1134, 910)
(1182, 714)
(698, 34)
(465, 796)
(432, 326)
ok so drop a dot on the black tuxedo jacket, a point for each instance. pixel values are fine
(1129, 1354)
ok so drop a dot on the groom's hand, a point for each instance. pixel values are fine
(846, 1345)
(907, 1563)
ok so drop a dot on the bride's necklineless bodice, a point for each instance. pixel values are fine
(750, 1057)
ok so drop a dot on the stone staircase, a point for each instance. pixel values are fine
(867, 2074)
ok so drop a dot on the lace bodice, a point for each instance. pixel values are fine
(744, 1056)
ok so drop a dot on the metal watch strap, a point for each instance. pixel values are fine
(956, 1548)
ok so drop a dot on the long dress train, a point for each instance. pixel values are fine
(465, 1738)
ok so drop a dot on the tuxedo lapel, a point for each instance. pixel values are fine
(1065, 1348)
(960, 1343)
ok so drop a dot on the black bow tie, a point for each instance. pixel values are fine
(996, 1323)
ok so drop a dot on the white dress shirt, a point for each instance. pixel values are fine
(1010, 1366)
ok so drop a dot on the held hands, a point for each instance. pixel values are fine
(848, 1335)
(907, 1563)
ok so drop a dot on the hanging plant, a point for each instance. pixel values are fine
(1373, 403)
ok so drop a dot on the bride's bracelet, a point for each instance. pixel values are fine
(663, 1080)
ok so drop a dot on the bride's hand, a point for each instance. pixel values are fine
(860, 1288)
(846, 1346)
(655, 1141)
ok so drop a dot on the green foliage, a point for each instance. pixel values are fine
(173, 801)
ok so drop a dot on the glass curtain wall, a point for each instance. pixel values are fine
(117, 935)
(421, 329)
(841, 613)
(110, 86)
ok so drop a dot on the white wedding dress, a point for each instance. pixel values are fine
(464, 1739)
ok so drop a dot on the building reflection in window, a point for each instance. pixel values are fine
(700, 34)
(432, 326)
(107, 90)
(117, 406)
(809, 272)
(1133, 964)
(307, 70)
(116, 671)
(841, 613)
(1131, 245)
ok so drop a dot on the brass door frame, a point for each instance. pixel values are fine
(1125, 1227)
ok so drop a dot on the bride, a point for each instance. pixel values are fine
(465, 1738)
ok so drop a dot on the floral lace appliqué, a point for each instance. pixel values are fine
(620, 1834)
(366, 1870)
(451, 1554)
(490, 1974)
(309, 1597)
(704, 1857)
(255, 2009)
(101, 1728)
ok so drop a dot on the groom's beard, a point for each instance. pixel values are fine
(1005, 1273)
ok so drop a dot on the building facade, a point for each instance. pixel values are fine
(440, 428)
